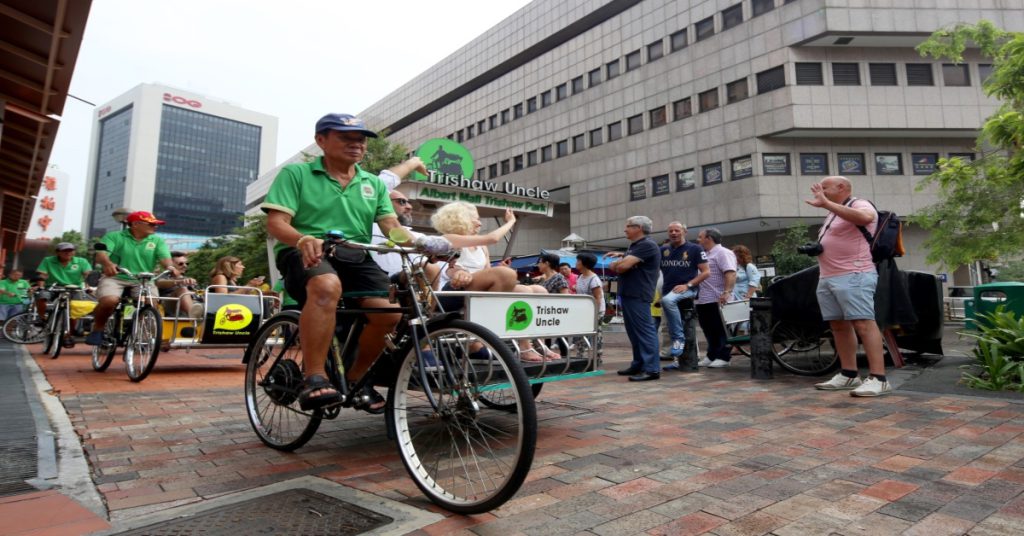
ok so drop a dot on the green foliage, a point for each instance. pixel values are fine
(979, 213)
(381, 154)
(75, 238)
(787, 260)
(1012, 271)
(249, 243)
(1000, 352)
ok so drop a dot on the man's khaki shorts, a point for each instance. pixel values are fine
(112, 286)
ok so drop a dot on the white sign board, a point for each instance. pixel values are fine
(511, 315)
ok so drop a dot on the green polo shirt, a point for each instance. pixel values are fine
(72, 274)
(135, 255)
(317, 203)
(19, 288)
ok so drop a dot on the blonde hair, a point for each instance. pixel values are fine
(226, 267)
(455, 218)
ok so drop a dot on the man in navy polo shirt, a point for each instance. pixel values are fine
(638, 275)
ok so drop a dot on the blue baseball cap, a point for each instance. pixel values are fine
(343, 123)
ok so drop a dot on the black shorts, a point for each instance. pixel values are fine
(358, 280)
(451, 303)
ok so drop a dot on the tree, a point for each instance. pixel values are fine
(73, 237)
(979, 214)
(787, 259)
(382, 154)
(249, 243)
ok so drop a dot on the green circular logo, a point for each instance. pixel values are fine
(518, 316)
(445, 156)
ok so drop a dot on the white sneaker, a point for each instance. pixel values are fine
(704, 362)
(719, 363)
(872, 387)
(839, 383)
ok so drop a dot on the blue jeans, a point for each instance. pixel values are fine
(7, 310)
(636, 315)
(670, 310)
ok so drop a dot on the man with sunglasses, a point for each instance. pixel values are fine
(182, 289)
(136, 249)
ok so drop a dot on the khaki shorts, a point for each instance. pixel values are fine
(112, 286)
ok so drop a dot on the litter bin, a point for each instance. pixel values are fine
(988, 297)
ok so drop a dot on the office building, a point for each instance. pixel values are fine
(718, 113)
(185, 157)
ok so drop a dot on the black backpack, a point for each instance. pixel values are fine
(888, 240)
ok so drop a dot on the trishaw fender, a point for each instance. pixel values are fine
(248, 348)
(443, 317)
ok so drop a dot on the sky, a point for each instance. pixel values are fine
(295, 60)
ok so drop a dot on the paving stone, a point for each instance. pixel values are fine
(697, 523)
(631, 524)
(970, 507)
(939, 524)
(875, 524)
(910, 509)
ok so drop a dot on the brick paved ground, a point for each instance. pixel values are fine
(710, 452)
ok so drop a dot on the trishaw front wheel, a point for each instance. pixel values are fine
(144, 347)
(463, 455)
(273, 378)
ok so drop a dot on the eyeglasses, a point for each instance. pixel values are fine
(402, 202)
(182, 264)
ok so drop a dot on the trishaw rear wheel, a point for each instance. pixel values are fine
(273, 378)
(103, 354)
(464, 456)
(803, 350)
(23, 329)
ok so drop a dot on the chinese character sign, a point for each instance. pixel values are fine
(50, 183)
(45, 222)
(51, 205)
(48, 203)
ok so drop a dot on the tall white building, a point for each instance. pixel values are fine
(183, 156)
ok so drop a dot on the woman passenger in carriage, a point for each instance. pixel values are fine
(226, 273)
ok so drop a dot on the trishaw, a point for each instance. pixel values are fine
(228, 319)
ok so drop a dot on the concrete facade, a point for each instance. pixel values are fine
(523, 88)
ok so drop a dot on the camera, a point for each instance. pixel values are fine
(811, 249)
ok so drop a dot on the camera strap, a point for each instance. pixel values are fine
(849, 201)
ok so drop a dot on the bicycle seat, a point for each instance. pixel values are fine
(145, 275)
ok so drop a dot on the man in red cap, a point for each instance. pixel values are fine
(136, 249)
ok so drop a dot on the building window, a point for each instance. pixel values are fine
(594, 77)
(545, 99)
(681, 108)
(578, 143)
(635, 124)
(955, 75)
(469, 132)
(660, 186)
(480, 126)
(595, 138)
(771, 79)
(531, 105)
(504, 114)
(517, 162)
(851, 163)
(531, 158)
(678, 40)
(615, 131)
(561, 148)
(492, 171)
(984, 71)
(545, 153)
(577, 85)
(732, 16)
(809, 74)
(736, 91)
(760, 7)
(920, 74)
(923, 163)
(633, 60)
(493, 121)
(612, 69)
(685, 180)
(480, 173)
(459, 136)
(846, 74)
(742, 167)
(709, 100)
(655, 50)
(657, 117)
(505, 167)
(517, 111)
(638, 190)
(705, 28)
(712, 173)
(561, 92)
(888, 164)
(882, 74)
